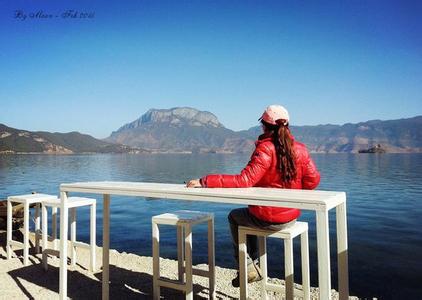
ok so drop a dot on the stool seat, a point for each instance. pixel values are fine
(31, 198)
(71, 202)
(183, 220)
(182, 216)
(287, 234)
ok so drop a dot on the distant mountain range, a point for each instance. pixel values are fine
(184, 129)
(188, 130)
(23, 141)
(394, 136)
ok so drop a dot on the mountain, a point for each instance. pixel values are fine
(180, 129)
(394, 136)
(22, 141)
(176, 117)
(184, 129)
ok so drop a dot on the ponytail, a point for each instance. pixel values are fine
(283, 143)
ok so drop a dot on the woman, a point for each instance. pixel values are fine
(277, 162)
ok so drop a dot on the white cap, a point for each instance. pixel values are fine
(274, 113)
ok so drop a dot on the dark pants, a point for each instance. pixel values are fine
(242, 217)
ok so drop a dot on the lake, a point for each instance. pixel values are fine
(384, 202)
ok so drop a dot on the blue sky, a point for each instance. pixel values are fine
(326, 62)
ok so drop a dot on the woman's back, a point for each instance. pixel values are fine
(307, 176)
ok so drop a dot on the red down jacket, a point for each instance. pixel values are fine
(261, 171)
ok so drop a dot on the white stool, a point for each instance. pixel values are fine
(73, 202)
(184, 220)
(298, 228)
(27, 200)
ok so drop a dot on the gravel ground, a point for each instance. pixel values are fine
(130, 276)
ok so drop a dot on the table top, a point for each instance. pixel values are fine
(302, 199)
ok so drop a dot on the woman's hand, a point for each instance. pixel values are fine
(194, 183)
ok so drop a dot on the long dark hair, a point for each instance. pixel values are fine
(283, 143)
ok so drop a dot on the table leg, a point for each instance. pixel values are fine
(324, 268)
(92, 235)
(106, 246)
(211, 259)
(188, 261)
(44, 230)
(73, 236)
(26, 234)
(156, 259)
(63, 245)
(342, 252)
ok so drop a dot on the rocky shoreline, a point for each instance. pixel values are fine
(130, 276)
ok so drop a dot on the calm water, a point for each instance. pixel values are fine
(384, 194)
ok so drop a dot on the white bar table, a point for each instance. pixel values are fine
(319, 201)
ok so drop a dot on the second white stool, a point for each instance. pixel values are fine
(73, 203)
(27, 200)
(287, 234)
(184, 220)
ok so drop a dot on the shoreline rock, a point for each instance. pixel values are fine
(130, 276)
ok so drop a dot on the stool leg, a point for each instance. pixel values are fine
(9, 229)
(305, 265)
(262, 243)
(188, 260)
(288, 265)
(92, 235)
(73, 235)
(242, 266)
(44, 235)
(54, 227)
(211, 259)
(37, 227)
(25, 233)
(156, 260)
(180, 252)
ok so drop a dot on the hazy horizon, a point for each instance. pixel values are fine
(85, 132)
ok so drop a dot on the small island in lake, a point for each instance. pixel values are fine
(377, 149)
